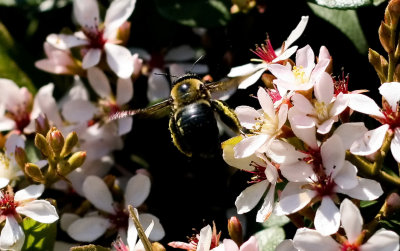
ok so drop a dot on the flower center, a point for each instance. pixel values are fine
(120, 218)
(265, 125)
(95, 35)
(7, 204)
(258, 173)
(322, 110)
(349, 247)
(392, 118)
(265, 52)
(300, 74)
(120, 246)
(341, 85)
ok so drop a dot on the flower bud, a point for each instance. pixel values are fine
(42, 144)
(34, 172)
(77, 159)
(42, 124)
(235, 230)
(392, 203)
(70, 142)
(385, 36)
(393, 10)
(156, 246)
(379, 63)
(64, 168)
(56, 140)
(20, 156)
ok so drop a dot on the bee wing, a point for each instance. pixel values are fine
(225, 87)
(155, 111)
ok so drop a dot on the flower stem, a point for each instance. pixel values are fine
(142, 235)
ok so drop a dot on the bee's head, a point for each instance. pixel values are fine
(187, 89)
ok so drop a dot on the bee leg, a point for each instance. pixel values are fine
(227, 115)
(177, 138)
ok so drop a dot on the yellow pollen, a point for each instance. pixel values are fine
(4, 161)
(299, 74)
(321, 110)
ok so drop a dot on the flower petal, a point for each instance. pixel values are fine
(157, 233)
(323, 89)
(67, 219)
(91, 58)
(286, 245)
(333, 154)
(327, 217)
(391, 92)
(350, 132)
(97, 192)
(118, 12)
(302, 104)
(365, 190)
(311, 240)
(382, 240)
(364, 104)
(296, 33)
(12, 236)
(39, 210)
(395, 145)
(137, 190)
(250, 145)
(119, 59)
(205, 239)
(305, 58)
(99, 82)
(247, 116)
(30, 192)
(78, 110)
(266, 103)
(250, 197)
(346, 178)
(268, 205)
(86, 12)
(124, 91)
(293, 198)
(124, 125)
(351, 219)
(88, 229)
(64, 42)
(230, 245)
(370, 142)
(299, 171)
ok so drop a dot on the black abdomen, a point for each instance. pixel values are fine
(197, 129)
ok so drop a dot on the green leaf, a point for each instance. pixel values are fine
(346, 21)
(196, 13)
(346, 4)
(90, 247)
(38, 236)
(276, 221)
(8, 67)
(365, 203)
(268, 239)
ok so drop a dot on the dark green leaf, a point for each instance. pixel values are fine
(38, 236)
(196, 13)
(365, 203)
(346, 21)
(346, 4)
(8, 67)
(269, 238)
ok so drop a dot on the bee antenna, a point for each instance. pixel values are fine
(194, 64)
(167, 75)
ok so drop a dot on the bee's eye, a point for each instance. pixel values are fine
(183, 89)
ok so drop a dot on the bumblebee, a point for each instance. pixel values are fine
(192, 109)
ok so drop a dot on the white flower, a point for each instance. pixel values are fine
(22, 203)
(250, 245)
(352, 222)
(9, 169)
(267, 56)
(99, 38)
(264, 179)
(321, 112)
(264, 125)
(304, 74)
(389, 116)
(319, 173)
(110, 103)
(92, 226)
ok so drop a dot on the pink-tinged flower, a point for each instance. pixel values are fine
(23, 202)
(317, 175)
(320, 112)
(388, 116)
(250, 245)
(109, 103)
(206, 240)
(267, 56)
(99, 38)
(15, 106)
(304, 74)
(264, 125)
(352, 223)
(132, 237)
(9, 169)
(115, 216)
(58, 61)
(264, 179)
